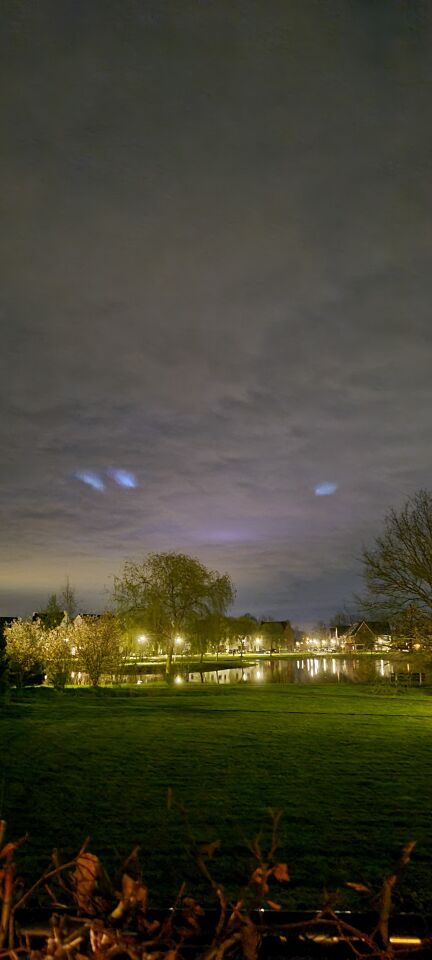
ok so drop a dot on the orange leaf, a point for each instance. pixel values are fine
(133, 892)
(141, 895)
(273, 905)
(86, 873)
(280, 872)
(10, 847)
(118, 910)
(128, 886)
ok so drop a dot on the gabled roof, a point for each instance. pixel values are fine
(376, 627)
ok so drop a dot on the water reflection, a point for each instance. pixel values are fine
(314, 669)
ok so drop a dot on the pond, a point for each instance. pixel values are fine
(305, 669)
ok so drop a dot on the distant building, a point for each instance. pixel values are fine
(363, 635)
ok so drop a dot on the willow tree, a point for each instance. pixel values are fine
(170, 593)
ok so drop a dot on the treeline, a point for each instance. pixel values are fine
(170, 599)
(170, 603)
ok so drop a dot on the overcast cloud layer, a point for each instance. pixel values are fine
(216, 275)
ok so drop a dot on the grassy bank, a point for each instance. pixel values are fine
(351, 769)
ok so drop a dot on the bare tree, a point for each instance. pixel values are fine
(68, 600)
(412, 629)
(344, 617)
(52, 615)
(397, 570)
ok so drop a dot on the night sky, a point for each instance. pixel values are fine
(215, 293)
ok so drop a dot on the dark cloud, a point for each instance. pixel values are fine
(215, 259)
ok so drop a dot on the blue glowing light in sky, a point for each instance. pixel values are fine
(123, 477)
(325, 489)
(91, 479)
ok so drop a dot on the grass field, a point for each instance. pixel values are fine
(351, 769)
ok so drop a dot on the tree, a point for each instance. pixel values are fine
(344, 617)
(272, 634)
(243, 629)
(4, 660)
(210, 631)
(56, 608)
(300, 637)
(320, 631)
(288, 638)
(412, 629)
(52, 615)
(171, 592)
(68, 600)
(397, 570)
(98, 646)
(58, 656)
(25, 650)
(277, 634)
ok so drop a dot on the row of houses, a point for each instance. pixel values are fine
(363, 635)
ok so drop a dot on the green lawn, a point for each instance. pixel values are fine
(351, 768)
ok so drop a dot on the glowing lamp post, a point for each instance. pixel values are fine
(178, 643)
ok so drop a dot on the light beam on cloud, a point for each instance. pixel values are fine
(325, 489)
(123, 478)
(91, 479)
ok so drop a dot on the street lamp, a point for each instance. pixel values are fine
(178, 642)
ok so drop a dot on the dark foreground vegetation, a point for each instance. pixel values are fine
(351, 769)
(90, 914)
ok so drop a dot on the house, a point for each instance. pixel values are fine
(364, 635)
